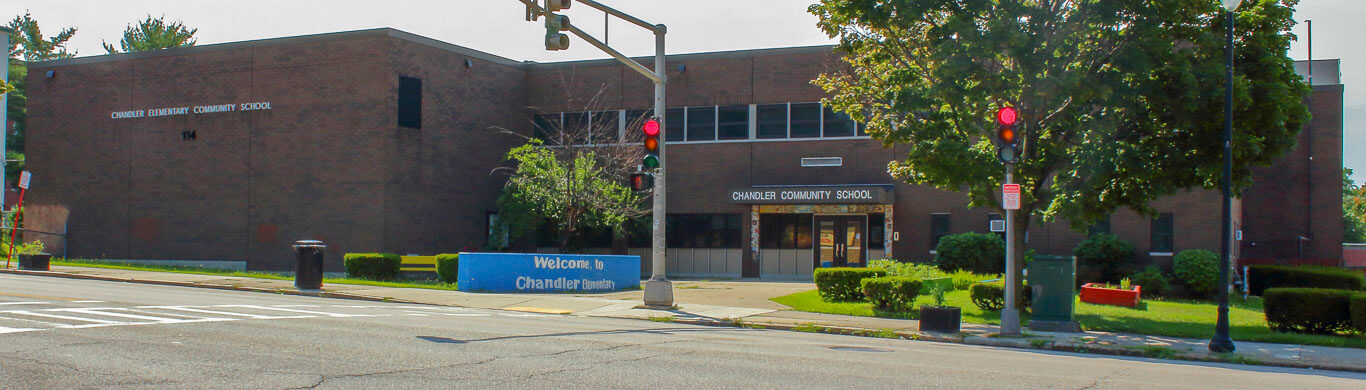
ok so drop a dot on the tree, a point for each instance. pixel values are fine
(154, 34)
(572, 181)
(1353, 209)
(1120, 101)
(27, 43)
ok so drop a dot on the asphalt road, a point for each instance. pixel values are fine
(62, 334)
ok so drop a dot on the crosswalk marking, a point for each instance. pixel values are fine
(22, 303)
(197, 309)
(108, 311)
(303, 311)
(4, 330)
(62, 317)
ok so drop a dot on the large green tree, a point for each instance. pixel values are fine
(1353, 209)
(153, 34)
(28, 44)
(1121, 101)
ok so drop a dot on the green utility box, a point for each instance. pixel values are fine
(1053, 280)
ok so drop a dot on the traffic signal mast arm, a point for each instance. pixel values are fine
(656, 28)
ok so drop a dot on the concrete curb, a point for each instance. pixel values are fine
(960, 338)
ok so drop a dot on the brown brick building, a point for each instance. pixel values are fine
(380, 140)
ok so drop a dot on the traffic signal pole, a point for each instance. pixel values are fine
(1010, 315)
(658, 290)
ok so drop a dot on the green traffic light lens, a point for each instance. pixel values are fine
(651, 161)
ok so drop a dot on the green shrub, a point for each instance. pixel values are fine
(1152, 282)
(977, 252)
(892, 293)
(992, 296)
(376, 266)
(962, 279)
(843, 284)
(1358, 309)
(447, 267)
(928, 285)
(1105, 253)
(914, 270)
(1262, 277)
(1308, 310)
(1198, 269)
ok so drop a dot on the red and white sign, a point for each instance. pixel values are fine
(23, 179)
(1010, 196)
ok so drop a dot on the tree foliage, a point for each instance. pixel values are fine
(153, 34)
(1353, 209)
(27, 43)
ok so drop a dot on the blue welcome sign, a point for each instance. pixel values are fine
(535, 272)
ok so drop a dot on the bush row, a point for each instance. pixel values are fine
(892, 293)
(376, 266)
(992, 296)
(843, 284)
(1314, 310)
(447, 267)
(1263, 277)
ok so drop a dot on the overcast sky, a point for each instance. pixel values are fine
(499, 27)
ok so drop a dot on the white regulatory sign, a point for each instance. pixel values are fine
(23, 179)
(1010, 196)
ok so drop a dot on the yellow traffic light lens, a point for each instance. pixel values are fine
(652, 144)
(1006, 135)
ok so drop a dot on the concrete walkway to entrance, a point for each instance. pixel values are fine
(746, 303)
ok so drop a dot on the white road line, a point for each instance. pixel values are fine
(106, 311)
(55, 324)
(87, 301)
(195, 309)
(98, 321)
(302, 311)
(23, 303)
(4, 330)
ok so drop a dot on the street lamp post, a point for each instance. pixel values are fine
(1221, 342)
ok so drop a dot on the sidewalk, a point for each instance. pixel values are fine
(746, 304)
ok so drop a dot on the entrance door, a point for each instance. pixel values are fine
(841, 240)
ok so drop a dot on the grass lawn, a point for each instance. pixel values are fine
(1152, 317)
(428, 284)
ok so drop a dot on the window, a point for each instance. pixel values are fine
(772, 120)
(1100, 227)
(732, 122)
(605, 127)
(806, 120)
(703, 230)
(498, 235)
(702, 123)
(877, 230)
(410, 102)
(939, 227)
(634, 120)
(576, 124)
(673, 125)
(785, 231)
(1162, 233)
(838, 124)
(546, 126)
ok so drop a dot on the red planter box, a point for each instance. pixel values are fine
(1098, 294)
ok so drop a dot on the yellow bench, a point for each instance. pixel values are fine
(417, 263)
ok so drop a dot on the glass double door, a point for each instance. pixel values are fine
(841, 240)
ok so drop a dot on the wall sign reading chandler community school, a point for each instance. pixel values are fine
(855, 194)
(536, 272)
(186, 110)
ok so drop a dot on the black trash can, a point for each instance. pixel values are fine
(308, 273)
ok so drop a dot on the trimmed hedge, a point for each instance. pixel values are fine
(376, 266)
(1198, 269)
(844, 284)
(1358, 309)
(977, 252)
(1152, 280)
(992, 296)
(1262, 277)
(1105, 253)
(1308, 310)
(447, 267)
(892, 293)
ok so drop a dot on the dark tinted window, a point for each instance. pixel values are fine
(785, 231)
(772, 120)
(806, 120)
(702, 123)
(410, 102)
(1162, 233)
(838, 124)
(673, 124)
(939, 227)
(546, 126)
(733, 122)
(576, 124)
(877, 230)
(1101, 226)
(703, 230)
(605, 127)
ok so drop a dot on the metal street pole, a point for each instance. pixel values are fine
(1010, 315)
(1221, 342)
(659, 290)
(4, 120)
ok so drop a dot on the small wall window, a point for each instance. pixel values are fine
(822, 161)
(785, 231)
(547, 127)
(732, 122)
(838, 124)
(939, 227)
(410, 102)
(1100, 227)
(806, 120)
(605, 127)
(576, 123)
(877, 230)
(702, 123)
(1162, 233)
(772, 120)
(674, 125)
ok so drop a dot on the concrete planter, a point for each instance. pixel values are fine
(945, 319)
(37, 262)
(1097, 293)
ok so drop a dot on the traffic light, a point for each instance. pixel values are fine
(641, 181)
(1007, 137)
(556, 5)
(554, 40)
(651, 130)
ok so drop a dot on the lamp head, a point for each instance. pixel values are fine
(1230, 5)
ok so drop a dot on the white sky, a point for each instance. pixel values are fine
(498, 27)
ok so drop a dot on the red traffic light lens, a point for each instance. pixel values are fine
(651, 128)
(1007, 116)
(652, 144)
